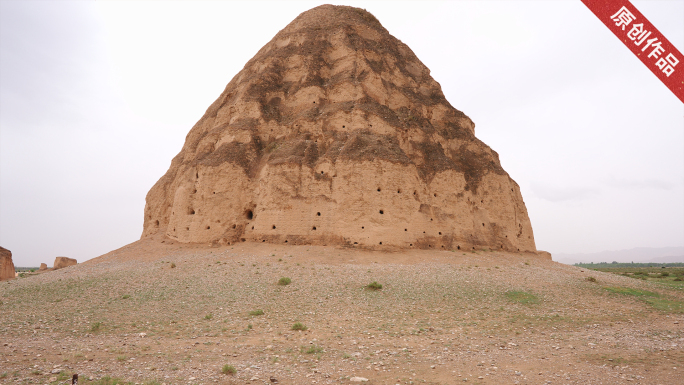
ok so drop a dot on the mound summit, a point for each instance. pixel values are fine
(336, 134)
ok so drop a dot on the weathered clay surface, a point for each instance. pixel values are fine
(6, 264)
(335, 133)
(61, 262)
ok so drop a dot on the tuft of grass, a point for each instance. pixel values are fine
(121, 358)
(256, 312)
(173, 265)
(591, 279)
(522, 297)
(313, 349)
(299, 326)
(374, 286)
(284, 281)
(125, 296)
(95, 327)
(208, 316)
(228, 369)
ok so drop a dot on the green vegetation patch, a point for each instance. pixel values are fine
(256, 312)
(284, 281)
(374, 286)
(656, 300)
(522, 297)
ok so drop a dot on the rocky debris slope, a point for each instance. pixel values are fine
(335, 133)
(62, 262)
(6, 264)
(440, 318)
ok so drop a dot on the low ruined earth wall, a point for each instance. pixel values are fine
(6, 264)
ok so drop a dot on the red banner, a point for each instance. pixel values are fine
(644, 40)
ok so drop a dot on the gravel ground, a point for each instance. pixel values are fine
(177, 314)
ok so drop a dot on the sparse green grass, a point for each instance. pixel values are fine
(121, 358)
(374, 286)
(125, 296)
(208, 316)
(299, 326)
(284, 281)
(656, 300)
(173, 265)
(591, 279)
(522, 297)
(256, 312)
(228, 369)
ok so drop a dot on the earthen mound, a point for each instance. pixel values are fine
(6, 264)
(43, 267)
(335, 133)
(62, 262)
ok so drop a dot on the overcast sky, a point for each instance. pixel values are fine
(96, 99)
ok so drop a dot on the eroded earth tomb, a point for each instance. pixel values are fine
(336, 134)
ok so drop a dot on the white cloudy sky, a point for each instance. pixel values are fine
(97, 97)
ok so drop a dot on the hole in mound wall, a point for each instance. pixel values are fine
(343, 127)
(243, 240)
(263, 240)
(381, 243)
(273, 227)
(362, 227)
(411, 244)
(356, 243)
(405, 229)
(313, 228)
(191, 212)
(249, 214)
(252, 227)
(187, 228)
(234, 226)
(379, 189)
(286, 241)
(382, 212)
(399, 191)
(318, 214)
(435, 195)
(208, 227)
(156, 223)
(483, 225)
(440, 233)
(458, 247)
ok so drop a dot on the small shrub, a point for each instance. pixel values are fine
(121, 358)
(228, 369)
(256, 312)
(374, 286)
(208, 316)
(284, 281)
(299, 326)
(125, 296)
(591, 279)
(664, 274)
(676, 279)
(173, 265)
(249, 326)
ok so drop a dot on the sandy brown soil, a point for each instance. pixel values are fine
(440, 318)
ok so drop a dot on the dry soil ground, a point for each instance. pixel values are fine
(440, 318)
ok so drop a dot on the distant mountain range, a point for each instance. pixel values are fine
(637, 255)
